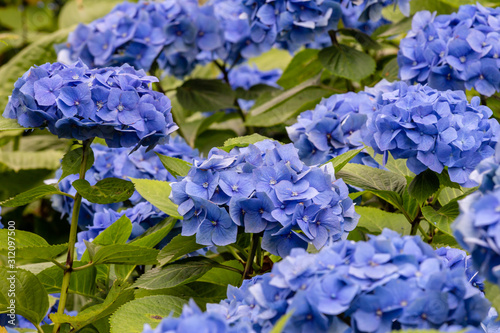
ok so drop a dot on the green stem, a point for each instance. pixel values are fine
(254, 244)
(415, 223)
(38, 328)
(58, 264)
(422, 231)
(72, 236)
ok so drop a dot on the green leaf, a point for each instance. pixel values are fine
(255, 91)
(73, 159)
(424, 185)
(88, 11)
(347, 62)
(372, 179)
(285, 95)
(374, 220)
(117, 233)
(175, 166)
(31, 299)
(304, 66)
(179, 273)
(281, 323)
(43, 252)
(31, 160)
(340, 161)
(291, 107)
(19, 238)
(444, 180)
(443, 218)
(390, 72)
(117, 296)
(7, 124)
(198, 123)
(213, 138)
(155, 234)
(30, 196)
(121, 254)
(157, 193)
(366, 42)
(223, 277)
(178, 247)
(397, 166)
(205, 95)
(201, 292)
(132, 316)
(243, 141)
(36, 53)
(82, 281)
(106, 191)
(150, 238)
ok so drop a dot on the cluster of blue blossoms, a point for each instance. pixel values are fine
(264, 188)
(121, 163)
(458, 51)
(333, 128)
(477, 226)
(432, 129)
(387, 283)
(176, 35)
(116, 104)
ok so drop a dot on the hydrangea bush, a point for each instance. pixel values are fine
(387, 283)
(307, 187)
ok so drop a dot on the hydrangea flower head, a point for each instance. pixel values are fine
(387, 283)
(432, 130)
(457, 51)
(75, 102)
(332, 128)
(264, 188)
(477, 226)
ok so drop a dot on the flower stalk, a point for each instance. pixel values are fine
(72, 235)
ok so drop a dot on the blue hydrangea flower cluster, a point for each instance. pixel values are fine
(75, 102)
(121, 163)
(387, 283)
(432, 130)
(177, 35)
(246, 77)
(477, 226)
(457, 52)
(264, 188)
(173, 35)
(332, 128)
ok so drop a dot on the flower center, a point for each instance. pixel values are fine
(235, 188)
(120, 107)
(463, 59)
(205, 185)
(294, 194)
